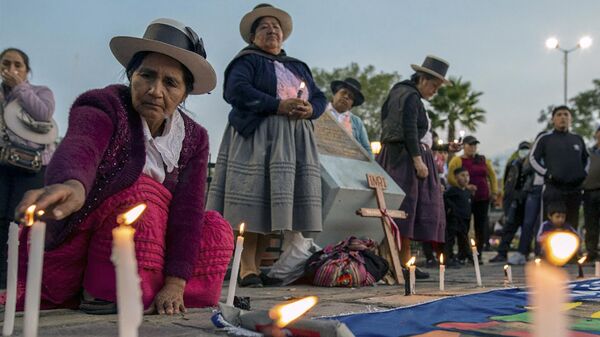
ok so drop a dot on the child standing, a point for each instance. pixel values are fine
(457, 200)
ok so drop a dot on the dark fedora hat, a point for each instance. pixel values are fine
(176, 40)
(435, 66)
(351, 84)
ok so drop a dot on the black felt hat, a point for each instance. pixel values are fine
(351, 84)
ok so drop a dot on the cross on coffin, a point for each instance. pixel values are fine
(378, 183)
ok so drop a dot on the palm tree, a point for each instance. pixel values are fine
(456, 103)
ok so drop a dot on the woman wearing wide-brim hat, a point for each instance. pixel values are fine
(21, 99)
(346, 95)
(127, 145)
(406, 154)
(268, 173)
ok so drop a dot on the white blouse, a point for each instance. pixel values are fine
(163, 152)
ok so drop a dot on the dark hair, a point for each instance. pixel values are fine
(556, 207)
(459, 170)
(561, 107)
(139, 57)
(257, 22)
(417, 76)
(20, 52)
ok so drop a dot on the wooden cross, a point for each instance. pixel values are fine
(378, 183)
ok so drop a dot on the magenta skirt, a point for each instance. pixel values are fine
(83, 261)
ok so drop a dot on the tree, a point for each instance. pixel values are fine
(585, 111)
(375, 87)
(454, 104)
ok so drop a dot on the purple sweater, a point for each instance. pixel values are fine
(104, 150)
(38, 101)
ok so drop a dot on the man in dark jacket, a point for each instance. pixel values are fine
(591, 201)
(516, 178)
(561, 158)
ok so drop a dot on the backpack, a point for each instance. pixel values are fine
(349, 263)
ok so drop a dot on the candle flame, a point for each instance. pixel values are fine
(411, 261)
(538, 261)
(29, 215)
(284, 314)
(376, 147)
(505, 267)
(130, 216)
(456, 141)
(40, 212)
(461, 133)
(242, 225)
(441, 258)
(473, 244)
(440, 142)
(582, 260)
(302, 85)
(560, 247)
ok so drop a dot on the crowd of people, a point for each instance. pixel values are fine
(127, 144)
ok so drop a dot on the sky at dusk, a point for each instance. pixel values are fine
(496, 45)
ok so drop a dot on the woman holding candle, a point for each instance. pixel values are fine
(132, 144)
(268, 172)
(407, 156)
(483, 184)
(16, 92)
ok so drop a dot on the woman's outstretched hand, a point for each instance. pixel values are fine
(57, 200)
(169, 299)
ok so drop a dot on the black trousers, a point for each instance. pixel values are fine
(13, 184)
(457, 232)
(591, 213)
(570, 198)
(480, 210)
(513, 219)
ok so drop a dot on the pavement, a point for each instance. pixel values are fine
(332, 301)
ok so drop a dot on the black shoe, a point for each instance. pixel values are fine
(251, 281)
(96, 306)
(498, 258)
(453, 263)
(421, 275)
(270, 281)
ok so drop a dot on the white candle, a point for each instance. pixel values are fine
(508, 274)
(11, 281)
(300, 90)
(34, 275)
(129, 294)
(597, 264)
(235, 266)
(442, 272)
(412, 277)
(547, 298)
(476, 263)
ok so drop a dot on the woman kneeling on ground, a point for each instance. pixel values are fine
(126, 145)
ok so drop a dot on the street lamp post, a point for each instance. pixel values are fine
(552, 43)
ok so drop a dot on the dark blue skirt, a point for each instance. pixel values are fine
(423, 203)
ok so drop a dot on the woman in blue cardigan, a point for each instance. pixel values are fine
(268, 172)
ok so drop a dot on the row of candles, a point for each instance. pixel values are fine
(543, 278)
(129, 294)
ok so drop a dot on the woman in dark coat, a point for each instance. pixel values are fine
(406, 154)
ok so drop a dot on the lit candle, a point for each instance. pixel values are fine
(285, 314)
(34, 273)
(300, 90)
(129, 293)
(11, 281)
(476, 262)
(508, 274)
(412, 270)
(597, 265)
(548, 286)
(442, 272)
(580, 266)
(440, 142)
(235, 267)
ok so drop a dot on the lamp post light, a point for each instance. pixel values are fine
(552, 43)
